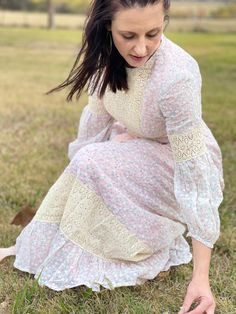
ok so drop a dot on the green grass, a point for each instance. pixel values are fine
(35, 132)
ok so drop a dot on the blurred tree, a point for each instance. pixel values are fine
(51, 14)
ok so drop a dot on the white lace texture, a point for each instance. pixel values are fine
(188, 145)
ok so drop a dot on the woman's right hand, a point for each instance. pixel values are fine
(199, 290)
(123, 137)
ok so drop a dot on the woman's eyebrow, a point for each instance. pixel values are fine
(133, 33)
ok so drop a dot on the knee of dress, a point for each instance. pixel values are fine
(84, 163)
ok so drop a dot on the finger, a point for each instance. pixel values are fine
(117, 140)
(211, 309)
(182, 310)
(211, 312)
(188, 300)
(204, 305)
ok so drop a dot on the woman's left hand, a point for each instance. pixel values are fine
(199, 290)
(123, 137)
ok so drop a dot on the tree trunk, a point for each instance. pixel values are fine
(51, 14)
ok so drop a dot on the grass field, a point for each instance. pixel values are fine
(35, 132)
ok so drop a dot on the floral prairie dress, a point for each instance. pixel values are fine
(118, 213)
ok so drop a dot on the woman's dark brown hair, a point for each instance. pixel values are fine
(101, 64)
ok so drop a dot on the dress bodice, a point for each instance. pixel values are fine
(131, 108)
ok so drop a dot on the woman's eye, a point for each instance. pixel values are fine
(128, 37)
(152, 35)
(131, 37)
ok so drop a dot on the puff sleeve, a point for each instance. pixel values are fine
(198, 183)
(94, 126)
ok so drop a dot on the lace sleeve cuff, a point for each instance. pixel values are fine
(188, 145)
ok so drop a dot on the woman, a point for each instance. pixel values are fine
(143, 169)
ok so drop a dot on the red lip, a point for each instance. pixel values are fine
(137, 58)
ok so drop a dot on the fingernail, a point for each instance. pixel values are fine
(182, 310)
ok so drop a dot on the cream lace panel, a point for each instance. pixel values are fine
(125, 107)
(188, 145)
(52, 206)
(87, 221)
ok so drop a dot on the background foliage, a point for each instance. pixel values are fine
(62, 6)
(183, 8)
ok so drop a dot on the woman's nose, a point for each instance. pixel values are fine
(140, 48)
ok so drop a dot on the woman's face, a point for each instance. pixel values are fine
(137, 32)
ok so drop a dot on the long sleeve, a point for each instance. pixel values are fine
(198, 183)
(95, 125)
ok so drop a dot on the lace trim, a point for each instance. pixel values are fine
(188, 145)
(125, 107)
(52, 206)
(86, 221)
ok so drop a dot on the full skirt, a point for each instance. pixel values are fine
(111, 219)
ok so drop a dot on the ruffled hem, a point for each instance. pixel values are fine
(56, 262)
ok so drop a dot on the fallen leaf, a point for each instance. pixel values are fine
(164, 274)
(24, 216)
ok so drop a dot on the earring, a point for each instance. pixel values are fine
(110, 44)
